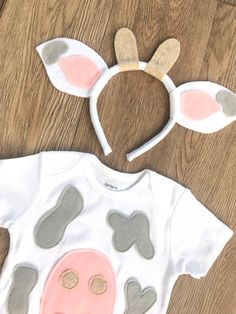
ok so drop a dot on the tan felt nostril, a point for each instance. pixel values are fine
(98, 285)
(69, 279)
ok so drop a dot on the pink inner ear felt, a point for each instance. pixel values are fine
(80, 71)
(198, 105)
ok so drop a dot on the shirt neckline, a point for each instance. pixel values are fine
(136, 181)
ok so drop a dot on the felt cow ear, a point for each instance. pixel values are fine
(72, 66)
(204, 107)
(164, 58)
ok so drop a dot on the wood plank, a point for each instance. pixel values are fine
(24, 80)
(229, 2)
(2, 3)
(4, 245)
(214, 186)
(34, 116)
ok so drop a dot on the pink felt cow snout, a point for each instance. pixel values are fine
(82, 281)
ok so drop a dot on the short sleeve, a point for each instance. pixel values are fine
(197, 237)
(19, 185)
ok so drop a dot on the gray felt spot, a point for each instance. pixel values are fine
(131, 230)
(227, 100)
(53, 50)
(25, 278)
(51, 227)
(138, 301)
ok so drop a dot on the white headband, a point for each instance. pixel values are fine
(95, 92)
(76, 69)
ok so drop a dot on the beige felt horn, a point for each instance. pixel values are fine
(126, 50)
(164, 58)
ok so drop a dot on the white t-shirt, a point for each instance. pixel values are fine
(87, 239)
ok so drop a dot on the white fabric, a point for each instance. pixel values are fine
(186, 237)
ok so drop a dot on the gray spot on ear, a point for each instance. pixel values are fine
(138, 301)
(227, 100)
(53, 50)
(51, 227)
(25, 278)
(131, 230)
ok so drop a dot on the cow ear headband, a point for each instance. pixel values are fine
(76, 69)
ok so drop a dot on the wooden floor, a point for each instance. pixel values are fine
(34, 116)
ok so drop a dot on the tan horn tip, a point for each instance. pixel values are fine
(126, 50)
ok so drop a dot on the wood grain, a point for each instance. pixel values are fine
(230, 2)
(34, 116)
(1, 5)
